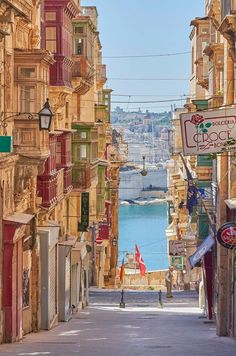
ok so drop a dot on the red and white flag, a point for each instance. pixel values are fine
(140, 261)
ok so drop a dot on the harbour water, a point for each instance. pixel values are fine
(144, 225)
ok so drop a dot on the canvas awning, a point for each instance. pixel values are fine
(202, 250)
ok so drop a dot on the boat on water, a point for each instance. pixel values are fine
(134, 186)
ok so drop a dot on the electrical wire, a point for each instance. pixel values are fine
(148, 55)
(151, 79)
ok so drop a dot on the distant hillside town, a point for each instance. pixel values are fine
(148, 148)
(146, 133)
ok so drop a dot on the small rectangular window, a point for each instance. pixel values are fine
(83, 151)
(51, 36)
(58, 153)
(67, 109)
(79, 46)
(84, 135)
(28, 98)
(79, 29)
(50, 16)
(27, 72)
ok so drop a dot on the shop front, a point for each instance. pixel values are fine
(17, 276)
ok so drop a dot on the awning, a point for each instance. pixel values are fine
(231, 203)
(20, 218)
(202, 250)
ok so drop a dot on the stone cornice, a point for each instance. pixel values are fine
(35, 55)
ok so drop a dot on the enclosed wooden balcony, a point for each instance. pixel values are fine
(81, 176)
(101, 76)
(51, 188)
(82, 74)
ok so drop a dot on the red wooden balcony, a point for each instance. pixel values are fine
(51, 188)
(103, 232)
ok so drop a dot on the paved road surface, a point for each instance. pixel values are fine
(142, 328)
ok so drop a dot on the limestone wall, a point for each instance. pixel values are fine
(152, 280)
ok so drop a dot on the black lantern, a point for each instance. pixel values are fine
(114, 242)
(45, 117)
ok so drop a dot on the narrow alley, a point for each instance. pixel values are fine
(142, 328)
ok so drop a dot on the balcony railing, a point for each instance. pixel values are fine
(67, 180)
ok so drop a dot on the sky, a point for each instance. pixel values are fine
(146, 27)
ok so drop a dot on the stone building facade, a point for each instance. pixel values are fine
(212, 87)
(57, 201)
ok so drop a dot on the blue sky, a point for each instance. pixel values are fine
(143, 27)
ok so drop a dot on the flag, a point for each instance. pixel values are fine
(140, 261)
(191, 196)
(122, 272)
(192, 189)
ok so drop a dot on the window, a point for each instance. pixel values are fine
(83, 151)
(50, 16)
(192, 60)
(79, 46)
(67, 109)
(79, 29)
(27, 98)
(83, 135)
(27, 72)
(58, 153)
(51, 44)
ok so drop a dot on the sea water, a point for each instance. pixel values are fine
(144, 225)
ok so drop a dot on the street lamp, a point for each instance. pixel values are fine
(114, 241)
(45, 117)
(143, 171)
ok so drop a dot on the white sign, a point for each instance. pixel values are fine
(205, 132)
(176, 248)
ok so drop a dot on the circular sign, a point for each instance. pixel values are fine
(226, 235)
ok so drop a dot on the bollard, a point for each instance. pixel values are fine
(122, 303)
(160, 298)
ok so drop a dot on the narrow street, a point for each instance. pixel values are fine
(142, 328)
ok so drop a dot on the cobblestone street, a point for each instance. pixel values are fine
(142, 328)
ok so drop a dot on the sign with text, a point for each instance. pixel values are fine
(211, 131)
(226, 235)
(176, 248)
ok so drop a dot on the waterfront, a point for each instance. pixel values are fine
(144, 225)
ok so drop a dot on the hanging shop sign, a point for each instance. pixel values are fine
(84, 224)
(226, 235)
(6, 144)
(206, 132)
(176, 248)
(177, 262)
